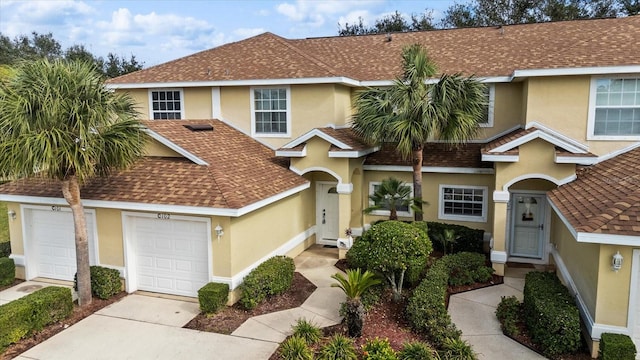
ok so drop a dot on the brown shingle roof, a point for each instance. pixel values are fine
(240, 172)
(605, 198)
(487, 51)
(347, 136)
(434, 154)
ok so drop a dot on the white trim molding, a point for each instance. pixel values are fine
(490, 106)
(312, 168)
(292, 153)
(353, 154)
(344, 188)
(501, 196)
(558, 182)
(597, 70)
(431, 169)
(18, 260)
(544, 133)
(500, 158)
(591, 118)
(216, 103)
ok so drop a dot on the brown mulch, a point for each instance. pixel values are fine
(230, 318)
(78, 314)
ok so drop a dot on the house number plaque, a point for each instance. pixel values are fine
(55, 208)
(164, 216)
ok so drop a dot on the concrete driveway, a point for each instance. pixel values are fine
(144, 327)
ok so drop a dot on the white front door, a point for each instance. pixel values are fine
(327, 213)
(527, 225)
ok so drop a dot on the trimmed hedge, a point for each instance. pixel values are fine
(616, 347)
(5, 249)
(213, 296)
(105, 282)
(7, 271)
(551, 314)
(21, 317)
(470, 240)
(272, 277)
(467, 268)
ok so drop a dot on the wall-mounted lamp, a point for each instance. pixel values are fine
(12, 214)
(219, 231)
(616, 262)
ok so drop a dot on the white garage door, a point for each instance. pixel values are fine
(52, 242)
(171, 255)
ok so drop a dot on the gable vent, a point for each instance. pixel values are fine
(199, 127)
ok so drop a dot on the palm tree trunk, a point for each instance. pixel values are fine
(417, 180)
(71, 192)
(393, 214)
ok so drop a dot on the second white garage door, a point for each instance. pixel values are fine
(170, 255)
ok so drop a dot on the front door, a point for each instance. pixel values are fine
(527, 225)
(327, 213)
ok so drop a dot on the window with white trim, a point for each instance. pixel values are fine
(487, 114)
(270, 111)
(404, 210)
(614, 109)
(463, 203)
(166, 104)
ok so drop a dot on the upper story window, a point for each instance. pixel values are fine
(271, 111)
(463, 203)
(487, 116)
(402, 210)
(614, 108)
(166, 104)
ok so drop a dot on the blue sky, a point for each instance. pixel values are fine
(162, 30)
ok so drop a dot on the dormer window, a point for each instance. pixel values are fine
(166, 104)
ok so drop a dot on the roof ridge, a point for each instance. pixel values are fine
(315, 60)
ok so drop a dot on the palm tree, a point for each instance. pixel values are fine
(413, 111)
(59, 122)
(354, 285)
(392, 194)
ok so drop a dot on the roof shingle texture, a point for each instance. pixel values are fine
(241, 171)
(605, 198)
(434, 154)
(486, 51)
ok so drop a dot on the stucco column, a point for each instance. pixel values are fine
(498, 244)
(344, 206)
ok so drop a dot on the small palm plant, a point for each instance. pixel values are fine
(447, 238)
(391, 195)
(354, 285)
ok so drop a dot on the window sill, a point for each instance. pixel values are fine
(614, 137)
(480, 219)
(265, 135)
(387, 213)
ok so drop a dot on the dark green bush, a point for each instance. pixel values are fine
(467, 268)
(5, 248)
(295, 348)
(416, 351)
(551, 314)
(105, 282)
(213, 296)
(23, 316)
(616, 347)
(339, 347)
(471, 240)
(7, 271)
(378, 349)
(272, 277)
(508, 312)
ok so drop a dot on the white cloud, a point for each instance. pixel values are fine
(354, 17)
(316, 13)
(248, 32)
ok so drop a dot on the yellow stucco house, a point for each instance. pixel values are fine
(252, 156)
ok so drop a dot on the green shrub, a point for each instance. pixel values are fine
(467, 268)
(339, 347)
(33, 312)
(295, 348)
(213, 296)
(378, 349)
(105, 282)
(508, 312)
(550, 313)
(7, 271)
(272, 277)
(5, 248)
(616, 347)
(457, 349)
(307, 331)
(470, 240)
(416, 351)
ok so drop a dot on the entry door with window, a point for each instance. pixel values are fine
(527, 222)
(327, 213)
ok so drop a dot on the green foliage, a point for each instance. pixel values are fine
(390, 195)
(4, 228)
(467, 239)
(213, 296)
(339, 347)
(390, 248)
(378, 349)
(7, 271)
(550, 313)
(272, 277)
(295, 348)
(5, 249)
(457, 349)
(390, 23)
(105, 282)
(22, 317)
(467, 268)
(307, 331)
(356, 282)
(508, 313)
(616, 347)
(416, 351)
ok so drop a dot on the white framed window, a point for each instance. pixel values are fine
(271, 111)
(463, 203)
(403, 211)
(490, 98)
(166, 104)
(614, 108)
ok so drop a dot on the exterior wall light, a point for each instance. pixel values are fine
(616, 262)
(12, 214)
(219, 231)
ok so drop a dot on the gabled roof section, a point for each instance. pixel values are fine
(434, 155)
(506, 148)
(238, 173)
(553, 48)
(344, 143)
(604, 199)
